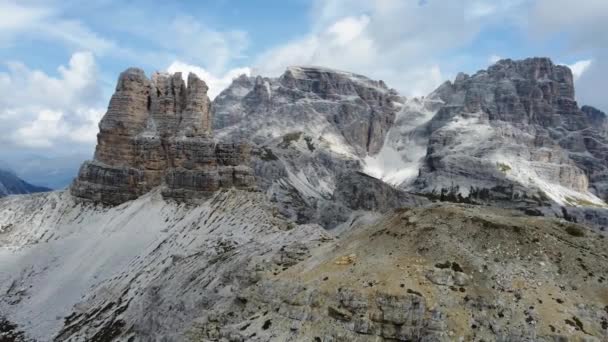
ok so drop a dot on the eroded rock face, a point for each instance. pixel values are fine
(311, 127)
(517, 123)
(159, 132)
(319, 101)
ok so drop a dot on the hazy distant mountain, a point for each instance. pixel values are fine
(52, 172)
(11, 184)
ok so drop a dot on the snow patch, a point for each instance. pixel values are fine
(524, 173)
(399, 161)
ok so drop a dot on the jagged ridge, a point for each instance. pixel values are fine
(158, 132)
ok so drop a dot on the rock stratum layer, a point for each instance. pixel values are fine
(158, 132)
(351, 109)
(517, 124)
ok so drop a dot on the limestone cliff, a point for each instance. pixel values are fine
(158, 132)
(353, 110)
(516, 124)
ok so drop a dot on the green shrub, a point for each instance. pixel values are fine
(503, 167)
(309, 143)
(289, 138)
(575, 231)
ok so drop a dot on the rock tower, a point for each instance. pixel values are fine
(158, 133)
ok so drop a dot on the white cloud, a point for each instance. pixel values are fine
(479, 9)
(75, 34)
(216, 83)
(22, 20)
(344, 44)
(581, 26)
(579, 68)
(424, 80)
(52, 126)
(42, 111)
(590, 83)
(200, 44)
(16, 17)
(400, 42)
(494, 58)
(348, 29)
(172, 36)
(582, 22)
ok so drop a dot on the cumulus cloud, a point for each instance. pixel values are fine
(582, 22)
(41, 111)
(581, 26)
(14, 17)
(216, 83)
(171, 37)
(579, 68)
(400, 42)
(198, 43)
(23, 20)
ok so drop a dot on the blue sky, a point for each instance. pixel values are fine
(59, 60)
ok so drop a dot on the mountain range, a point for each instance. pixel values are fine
(322, 205)
(11, 184)
(55, 172)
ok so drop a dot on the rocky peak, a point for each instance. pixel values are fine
(596, 117)
(530, 91)
(157, 132)
(522, 116)
(537, 69)
(329, 83)
(178, 106)
(351, 108)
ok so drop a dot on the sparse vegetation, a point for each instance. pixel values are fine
(289, 138)
(309, 143)
(268, 155)
(503, 167)
(265, 154)
(575, 231)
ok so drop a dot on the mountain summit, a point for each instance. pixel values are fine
(158, 132)
(516, 126)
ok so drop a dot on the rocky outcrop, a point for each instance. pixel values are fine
(511, 134)
(322, 102)
(516, 124)
(311, 126)
(359, 191)
(442, 273)
(158, 132)
(597, 118)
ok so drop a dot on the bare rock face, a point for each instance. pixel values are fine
(310, 128)
(158, 132)
(517, 124)
(354, 109)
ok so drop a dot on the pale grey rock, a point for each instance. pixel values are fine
(320, 101)
(312, 127)
(515, 132)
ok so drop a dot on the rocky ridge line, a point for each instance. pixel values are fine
(158, 132)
